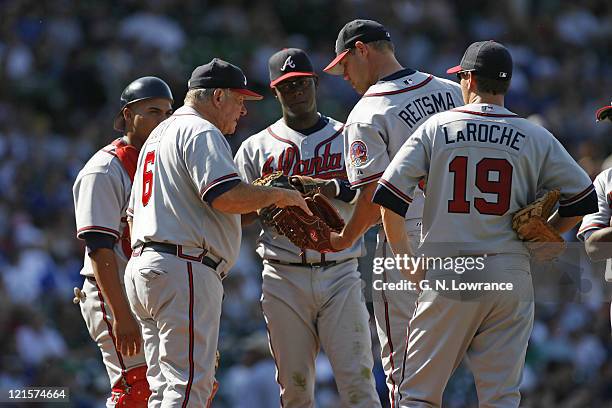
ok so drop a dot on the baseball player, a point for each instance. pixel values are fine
(101, 193)
(482, 164)
(185, 203)
(310, 299)
(596, 228)
(396, 100)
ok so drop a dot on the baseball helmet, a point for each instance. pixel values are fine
(143, 88)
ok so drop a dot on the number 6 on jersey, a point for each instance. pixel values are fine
(147, 177)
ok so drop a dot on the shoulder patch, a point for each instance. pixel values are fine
(358, 153)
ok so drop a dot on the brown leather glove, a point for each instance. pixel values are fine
(303, 230)
(531, 225)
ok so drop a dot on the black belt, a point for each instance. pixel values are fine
(176, 250)
(312, 264)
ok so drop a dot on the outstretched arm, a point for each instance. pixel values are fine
(365, 215)
(246, 198)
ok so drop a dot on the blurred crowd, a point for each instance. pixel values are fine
(64, 63)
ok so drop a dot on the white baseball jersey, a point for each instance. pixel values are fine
(482, 163)
(184, 159)
(600, 219)
(318, 155)
(386, 116)
(101, 193)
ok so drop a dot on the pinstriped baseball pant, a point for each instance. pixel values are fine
(491, 329)
(178, 305)
(309, 307)
(99, 321)
(393, 310)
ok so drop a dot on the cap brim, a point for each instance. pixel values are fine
(603, 113)
(334, 67)
(290, 75)
(248, 94)
(454, 70)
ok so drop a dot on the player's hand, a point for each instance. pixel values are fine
(289, 198)
(127, 334)
(338, 241)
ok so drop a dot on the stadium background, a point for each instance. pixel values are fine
(64, 63)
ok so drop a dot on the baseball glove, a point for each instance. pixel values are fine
(531, 225)
(308, 186)
(303, 230)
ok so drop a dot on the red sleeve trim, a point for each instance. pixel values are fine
(366, 180)
(395, 190)
(574, 199)
(594, 225)
(218, 181)
(97, 228)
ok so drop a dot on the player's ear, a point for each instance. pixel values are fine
(315, 78)
(218, 97)
(361, 48)
(472, 81)
(128, 117)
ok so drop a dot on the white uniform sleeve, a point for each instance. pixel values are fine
(245, 164)
(98, 204)
(560, 171)
(397, 185)
(600, 219)
(209, 162)
(365, 153)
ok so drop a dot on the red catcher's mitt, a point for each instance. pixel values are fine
(531, 225)
(303, 230)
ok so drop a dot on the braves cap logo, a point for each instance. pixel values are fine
(358, 153)
(288, 63)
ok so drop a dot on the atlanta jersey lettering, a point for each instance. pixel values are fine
(318, 155)
(482, 163)
(601, 218)
(386, 116)
(101, 192)
(184, 159)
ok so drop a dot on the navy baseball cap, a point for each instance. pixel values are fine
(357, 30)
(488, 59)
(221, 74)
(604, 113)
(289, 63)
